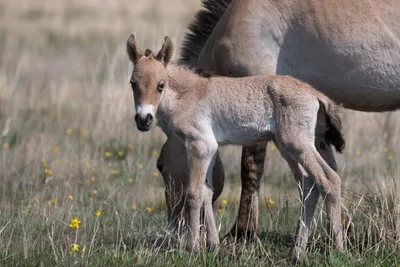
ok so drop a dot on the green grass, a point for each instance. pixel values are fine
(72, 148)
(136, 238)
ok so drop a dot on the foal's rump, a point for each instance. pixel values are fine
(304, 114)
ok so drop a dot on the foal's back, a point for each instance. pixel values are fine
(245, 110)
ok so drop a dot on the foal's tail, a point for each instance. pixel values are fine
(334, 132)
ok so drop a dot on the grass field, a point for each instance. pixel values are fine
(69, 149)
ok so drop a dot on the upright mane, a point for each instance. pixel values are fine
(200, 29)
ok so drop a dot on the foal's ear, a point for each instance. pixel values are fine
(165, 53)
(132, 49)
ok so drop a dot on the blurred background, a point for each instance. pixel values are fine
(68, 139)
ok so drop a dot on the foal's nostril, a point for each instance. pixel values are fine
(137, 118)
(149, 119)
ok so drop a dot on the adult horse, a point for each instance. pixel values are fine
(349, 50)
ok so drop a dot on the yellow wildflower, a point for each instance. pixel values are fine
(120, 153)
(71, 197)
(105, 203)
(273, 147)
(107, 154)
(149, 210)
(220, 211)
(68, 131)
(224, 202)
(390, 157)
(5, 145)
(56, 149)
(155, 153)
(48, 171)
(43, 161)
(271, 202)
(90, 199)
(155, 174)
(74, 247)
(75, 223)
(133, 206)
(130, 180)
(130, 146)
(92, 178)
(385, 149)
(94, 192)
(98, 213)
(82, 131)
(51, 202)
(140, 166)
(115, 171)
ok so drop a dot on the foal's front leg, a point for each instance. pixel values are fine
(200, 155)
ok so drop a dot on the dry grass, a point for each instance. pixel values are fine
(64, 89)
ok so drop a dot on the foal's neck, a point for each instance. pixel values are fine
(182, 80)
(183, 87)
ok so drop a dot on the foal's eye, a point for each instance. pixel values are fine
(161, 85)
(133, 84)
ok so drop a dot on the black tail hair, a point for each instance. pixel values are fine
(333, 134)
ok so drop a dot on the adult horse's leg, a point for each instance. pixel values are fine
(252, 168)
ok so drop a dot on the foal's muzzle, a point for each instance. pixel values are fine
(143, 123)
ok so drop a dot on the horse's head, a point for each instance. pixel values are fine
(148, 80)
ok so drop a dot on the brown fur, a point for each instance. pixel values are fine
(213, 115)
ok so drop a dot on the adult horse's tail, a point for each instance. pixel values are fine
(200, 29)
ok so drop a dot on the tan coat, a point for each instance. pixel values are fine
(207, 112)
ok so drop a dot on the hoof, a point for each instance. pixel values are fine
(236, 235)
(297, 255)
(193, 249)
(212, 245)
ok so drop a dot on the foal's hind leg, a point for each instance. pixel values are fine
(325, 150)
(309, 195)
(302, 150)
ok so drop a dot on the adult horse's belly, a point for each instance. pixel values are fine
(354, 63)
(348, 50)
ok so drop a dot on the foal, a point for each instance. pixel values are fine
(205, 112)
